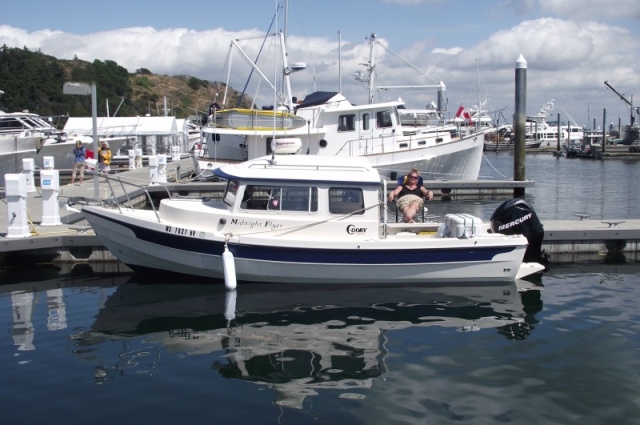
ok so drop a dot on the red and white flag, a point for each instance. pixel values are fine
(463, 114)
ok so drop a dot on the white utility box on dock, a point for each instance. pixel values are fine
(132, 159)
(16, 194)
(48, 163)
(158, 169)
(50, 183)
(175, 153)
(461, 225)
(28, 168)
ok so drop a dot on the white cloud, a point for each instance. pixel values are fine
(592, 9)
(450, 51)
(567, 60)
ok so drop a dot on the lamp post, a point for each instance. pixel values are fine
(85, 89)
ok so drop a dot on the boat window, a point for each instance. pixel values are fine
(346, 123)
(346, 200)
(291, 198)
(365, 121)
(281, 198)
(383, 119)
(256, 197)
(230, 192)
(11, 124)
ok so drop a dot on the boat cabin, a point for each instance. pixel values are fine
(305, 190)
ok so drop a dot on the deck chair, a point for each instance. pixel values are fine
(402, 180)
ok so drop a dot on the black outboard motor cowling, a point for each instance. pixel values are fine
(516, 217)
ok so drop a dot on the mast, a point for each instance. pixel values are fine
(478, 89)
(371, 66)
(340, 61)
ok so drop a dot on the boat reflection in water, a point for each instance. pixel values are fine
(294, 339)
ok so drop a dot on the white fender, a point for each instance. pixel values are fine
(229, 269)
(230, 305)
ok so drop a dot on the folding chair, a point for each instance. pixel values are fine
(402, 180)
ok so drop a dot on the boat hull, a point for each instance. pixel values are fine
(457, 160)
(13, 149)
(62, 151)
(142, 243)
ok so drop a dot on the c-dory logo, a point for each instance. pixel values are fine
(353, 230)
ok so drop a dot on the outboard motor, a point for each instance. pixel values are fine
(516, 217)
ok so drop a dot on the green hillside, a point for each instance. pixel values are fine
(33, 81)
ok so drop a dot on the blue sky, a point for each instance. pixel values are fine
(571, 47)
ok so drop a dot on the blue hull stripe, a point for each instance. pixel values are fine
(314, 255)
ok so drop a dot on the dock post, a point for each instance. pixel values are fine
(604, 129)
(560, 135)
(519, 121)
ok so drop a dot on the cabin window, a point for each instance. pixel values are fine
(280, 198)
(383, 119)
(347, 123)
(256, 197)
(365, 122)
(346, 200)
(230, 192)
(12, 124)
(299, 199)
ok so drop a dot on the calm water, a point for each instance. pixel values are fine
(606, 189)
(86, 345)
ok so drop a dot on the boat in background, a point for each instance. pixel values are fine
(546, 132)
(312, 219)
(14, 148)
(330, 125)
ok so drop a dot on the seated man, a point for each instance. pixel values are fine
(410, 195)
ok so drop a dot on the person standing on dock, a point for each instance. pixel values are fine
(79, 156)
(104, 159)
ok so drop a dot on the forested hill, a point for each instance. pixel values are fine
(33, 81)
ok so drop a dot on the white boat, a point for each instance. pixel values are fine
(305, 219)
(335, 127)
(14, 148)
(36, 138)
(539, 129)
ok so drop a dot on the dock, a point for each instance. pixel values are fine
(74, 241)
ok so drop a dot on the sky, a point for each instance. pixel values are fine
(570, 46)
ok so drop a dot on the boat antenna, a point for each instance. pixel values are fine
(340, 61)
(275, 91)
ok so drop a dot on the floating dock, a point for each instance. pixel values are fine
(74, 241)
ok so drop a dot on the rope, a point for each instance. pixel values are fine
(494, 168)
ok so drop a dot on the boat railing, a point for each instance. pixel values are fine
(115, 181)
(413, 139)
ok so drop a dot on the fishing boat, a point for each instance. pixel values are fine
(307, 219)
(392, 139)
